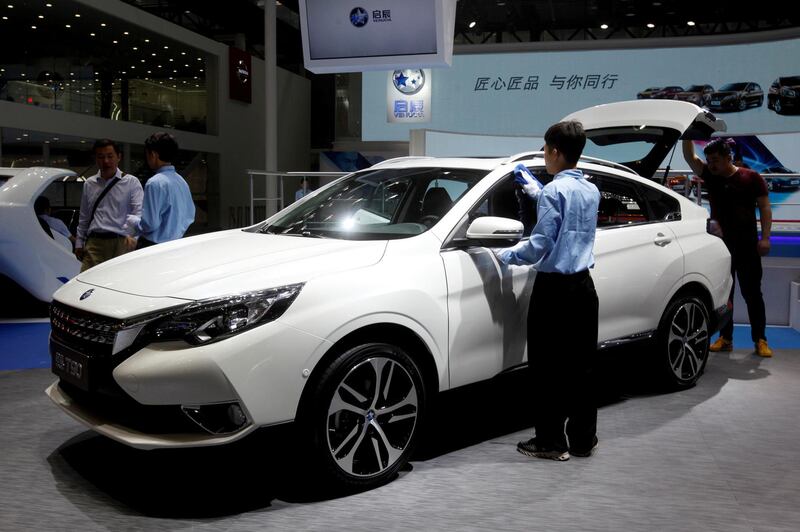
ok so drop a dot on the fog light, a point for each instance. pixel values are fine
(222, 418)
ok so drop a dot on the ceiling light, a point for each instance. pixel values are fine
(603, 26)
(186, 65)
(126, 33)
(147, 40)
(67, 25)
(77, 15)
(48, 5)
(5, 18)
(199, 58)
(41, 16)
(135, 48)
(183, 53)
(153, 54)
(91, 35)
(690, 23)
(166, 47)
(103, 24)
(472, 24)
(124, 72)
(170, 59)
(651, 25)
(33, 27)
(10, 6)
(115, 42)
(142, 60)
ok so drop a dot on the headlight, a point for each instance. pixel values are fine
(214, 319)
(786, 91)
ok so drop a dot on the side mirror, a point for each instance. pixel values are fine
(494, 228)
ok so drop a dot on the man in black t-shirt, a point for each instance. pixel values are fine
(734, 194)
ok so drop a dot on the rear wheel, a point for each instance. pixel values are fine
(682, 342)
(364, 414)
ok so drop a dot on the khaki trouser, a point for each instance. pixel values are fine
(99, 250)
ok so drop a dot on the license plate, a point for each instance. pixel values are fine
(794, 182)
(714, 102)
(70, 365)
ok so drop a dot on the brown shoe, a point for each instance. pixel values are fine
(721, 344)
(762, 349)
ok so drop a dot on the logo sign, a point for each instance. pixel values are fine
(87, 294)
(359, 17)
(408, 81)
(408, 96)
(240, 75)
(243, 72)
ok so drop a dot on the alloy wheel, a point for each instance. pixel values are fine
(372, 416)
(687, 344)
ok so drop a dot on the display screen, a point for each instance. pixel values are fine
(342, 29)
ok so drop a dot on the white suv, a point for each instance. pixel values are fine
(350, 309)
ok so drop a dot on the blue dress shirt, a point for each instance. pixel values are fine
(168, 209)
(563, 238)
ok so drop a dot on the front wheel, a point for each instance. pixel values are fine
(742, 104)
(363, 417)
(682, 342)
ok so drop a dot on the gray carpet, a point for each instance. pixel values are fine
(724, 455)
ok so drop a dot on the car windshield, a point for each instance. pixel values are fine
(793, 80)
(734, 87)
(695, 88)
(377, 204)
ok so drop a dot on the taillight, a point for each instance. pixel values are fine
(713, 227)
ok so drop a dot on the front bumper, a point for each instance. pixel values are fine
(142, 401)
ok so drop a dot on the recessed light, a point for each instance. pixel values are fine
(690, 23)
(126, 33)
(603, 26)
(115, 42)
(473, 24)
(171, 60)
(103, 24)
(141, 60)
(33, 27)
(41, 16)
(67, 25)
(135, 48)
(147, 40)
(159, 66)
(166, 47)
(186, 65)
(48, 5)
(5, 18)
(10, 6)
(124, 72)
(77, 15)
(24, 134)
(651, 25)
(183, 53)
(153, 54)
(199, 58)
(91, 35)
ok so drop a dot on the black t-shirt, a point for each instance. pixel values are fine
(733, 202)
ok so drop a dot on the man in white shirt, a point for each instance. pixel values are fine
(109, 197)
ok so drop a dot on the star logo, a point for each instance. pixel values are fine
(87, 294)
(408, 81)
(359, 17)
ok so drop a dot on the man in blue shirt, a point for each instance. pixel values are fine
(563, 313)
(168, 209)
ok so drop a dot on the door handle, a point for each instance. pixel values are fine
(661, 240)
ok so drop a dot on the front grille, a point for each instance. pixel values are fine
(83, 331)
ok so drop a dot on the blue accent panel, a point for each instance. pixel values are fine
(24, 346)
(63, 279)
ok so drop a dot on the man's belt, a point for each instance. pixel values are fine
(104, 235)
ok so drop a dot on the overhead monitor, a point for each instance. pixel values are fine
(360, 35)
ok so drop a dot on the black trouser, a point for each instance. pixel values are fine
(142, 243)
(562, 344)
(746, 265)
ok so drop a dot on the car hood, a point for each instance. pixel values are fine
(634, 120)
(229, 262)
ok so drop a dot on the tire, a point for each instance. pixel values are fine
(682, 342)
(742, 104)
(778, 106)
(760, 102)
(363, 416)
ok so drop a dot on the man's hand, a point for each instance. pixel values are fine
(763, 247)
(79, 254)
(530, 185)
(130, 243)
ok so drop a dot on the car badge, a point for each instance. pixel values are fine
(87, 294)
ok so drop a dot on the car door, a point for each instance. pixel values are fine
(487, 304)
(637, 259)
